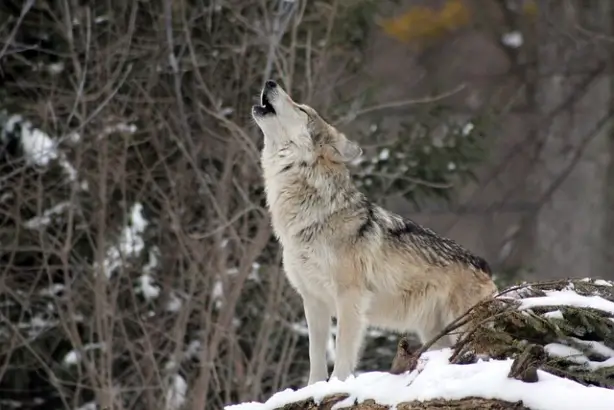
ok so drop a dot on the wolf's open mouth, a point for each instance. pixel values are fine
(266, 104)
(265, 108)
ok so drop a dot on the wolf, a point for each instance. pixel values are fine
(347, 257)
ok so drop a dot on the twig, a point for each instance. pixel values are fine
(402, 103)
(417, 181)
(24, 10)
(285, 11)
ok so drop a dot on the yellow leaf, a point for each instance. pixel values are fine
(529, 7)
(425, 23)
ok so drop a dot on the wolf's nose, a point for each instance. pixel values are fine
(270, 84)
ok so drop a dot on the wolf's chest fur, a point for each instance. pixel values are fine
(305, 202)
(313, 216)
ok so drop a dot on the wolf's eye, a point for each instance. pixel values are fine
(303, 110)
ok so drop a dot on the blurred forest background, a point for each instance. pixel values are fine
(137, 265)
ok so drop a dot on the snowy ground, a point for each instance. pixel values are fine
(435, 378)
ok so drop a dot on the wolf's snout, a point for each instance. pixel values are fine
(268, 92)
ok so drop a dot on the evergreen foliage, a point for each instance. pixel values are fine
(577, 340)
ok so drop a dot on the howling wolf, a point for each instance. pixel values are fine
(346, 256)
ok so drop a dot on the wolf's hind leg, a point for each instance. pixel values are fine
(318, 326)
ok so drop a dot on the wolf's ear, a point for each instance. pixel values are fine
(348, 150)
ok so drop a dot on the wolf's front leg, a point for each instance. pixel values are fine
(351, 325)
(318, 326)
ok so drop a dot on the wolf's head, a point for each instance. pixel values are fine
(287, 124)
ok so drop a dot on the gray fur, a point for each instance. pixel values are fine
(346, 256)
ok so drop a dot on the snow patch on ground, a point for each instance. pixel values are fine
(436, 378)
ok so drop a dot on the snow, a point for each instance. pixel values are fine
(467, 128)
(254, 273)
(74, 137)
(74, 356)
(45, 218)
(193, 349)
(130, 242)
(147, 287)
(52, 290)
(574, 355)
(101, 19)
(436, 378)
(174, 303)
(37, 326)
(38, 147)
(69, 170)
(217, 293)
(570, 353)
(55, 68)
(14, 404)
(384, 154)
(568, 298)
(175, 396)
(154, 260)
(555, 314)
(299, 328)
(226, 111)
(596, 347)
(120, 128)
(513, 39)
